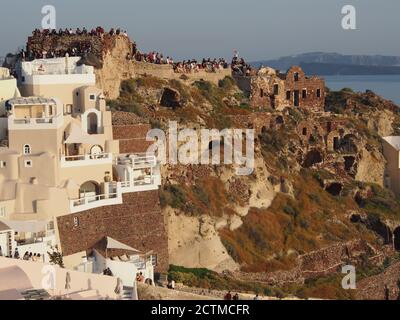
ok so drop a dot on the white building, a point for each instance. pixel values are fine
(61, 157)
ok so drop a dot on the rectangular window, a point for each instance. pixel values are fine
(304, 94)
(28, 164)
(276, 89)
(2, 212)
(3, 164)
(296, 76)
(288, 95)
(76, 222)
(92, 97)
(27, 149)
(318, 93)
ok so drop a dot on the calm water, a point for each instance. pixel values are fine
(388, 86)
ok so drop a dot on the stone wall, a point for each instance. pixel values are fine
(296, 81)
(270, 89)
(319, 263)
(132, 138)
(138, 222)
(167, 72)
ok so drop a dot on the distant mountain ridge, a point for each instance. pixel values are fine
(337, 64)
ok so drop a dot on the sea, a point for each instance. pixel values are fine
(387, 86)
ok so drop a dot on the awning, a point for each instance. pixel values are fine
(114, 244)
(26, 226)
(77, 135)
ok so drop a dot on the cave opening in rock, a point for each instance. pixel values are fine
(348, 163)
(380, 228)
(396, 234)
(170, 98)
(334, 188)
(355, 218)
(279, 120)
(348, 144)
(313, 157)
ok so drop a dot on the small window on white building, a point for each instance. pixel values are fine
(76, 222)
(3, 164)
(28, 164)
(27, 149)
(153, 259)
(92, 97)
(50, 225)
(3, 212)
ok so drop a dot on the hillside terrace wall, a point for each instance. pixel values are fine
(318, 263)
(138, 222)
(167, 72)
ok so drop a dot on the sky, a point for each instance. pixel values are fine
(258, 29)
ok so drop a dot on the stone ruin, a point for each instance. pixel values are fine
(272, 89)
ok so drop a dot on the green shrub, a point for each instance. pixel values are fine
(201, 195)
(292, 211)
(226, 83)
(173, 196)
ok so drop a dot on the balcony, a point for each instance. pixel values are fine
(99, 200)
(86, 160)
(139, 172)
(138, 161)
(144, 183)
(34, 123)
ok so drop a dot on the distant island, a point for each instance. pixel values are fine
(321, 63)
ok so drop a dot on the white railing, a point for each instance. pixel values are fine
(35, 123)
(144, 183)
(96, 201)
(138, 161)
(86, 160)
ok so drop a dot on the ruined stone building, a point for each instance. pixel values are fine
(272, 89)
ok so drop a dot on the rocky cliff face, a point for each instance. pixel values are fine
(116, 67)
(311, 171)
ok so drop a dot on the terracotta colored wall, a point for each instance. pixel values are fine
(138, 222)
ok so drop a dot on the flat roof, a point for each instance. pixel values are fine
(32, 100)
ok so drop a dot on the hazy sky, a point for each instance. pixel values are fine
(259, 29)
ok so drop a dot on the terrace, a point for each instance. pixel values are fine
(86, 160)
(34, 113)
(94, 200)
(139, 172)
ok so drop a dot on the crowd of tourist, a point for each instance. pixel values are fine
(79, 50)
(151, 57)
(208, 65)
(240, 67)
(81, 47)
(78, 31)
(28, 256)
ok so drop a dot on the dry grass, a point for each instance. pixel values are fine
(314, 219)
